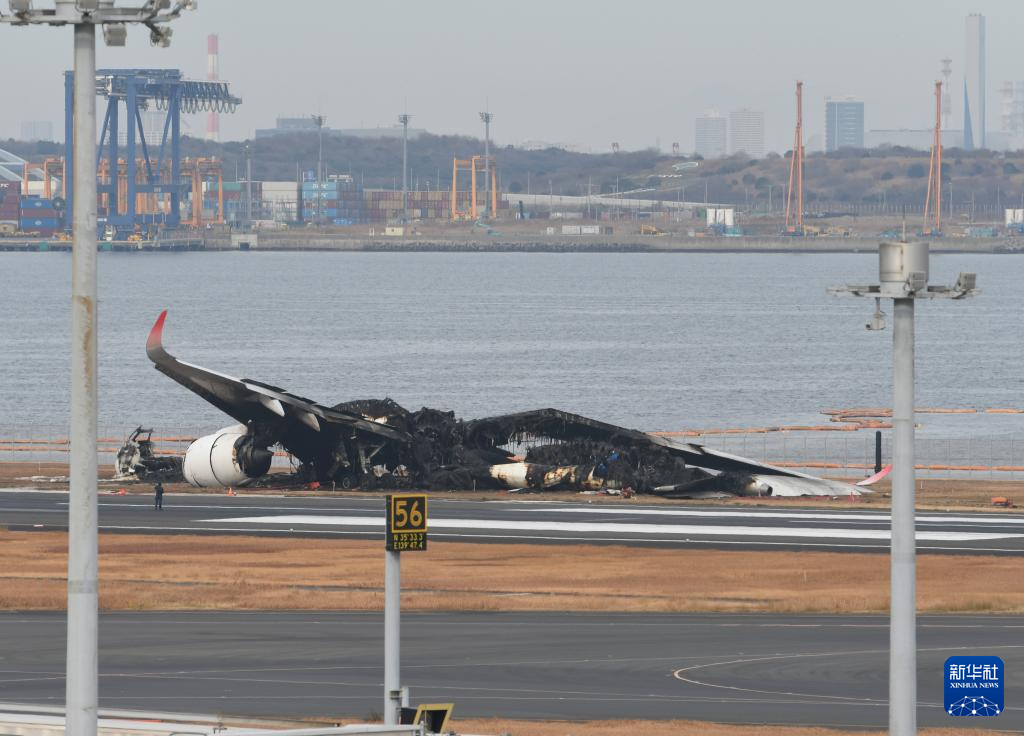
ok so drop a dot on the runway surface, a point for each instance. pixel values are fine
(622, 522)
(823, 670)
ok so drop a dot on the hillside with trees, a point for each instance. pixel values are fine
(882, 180)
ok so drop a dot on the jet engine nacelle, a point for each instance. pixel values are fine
(752, 486)
(225, 458)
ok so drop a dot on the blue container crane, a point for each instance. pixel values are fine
(138, 90)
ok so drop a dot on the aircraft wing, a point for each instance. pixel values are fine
(562, 425)
(565, 426)
(252, 401)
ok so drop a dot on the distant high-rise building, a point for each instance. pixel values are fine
(37, 130)
(844, 123)
(746, 132)
(1012, 113)
(710, 136)
(152, 128)
(947, 104)
(974, 83)
(307, 125)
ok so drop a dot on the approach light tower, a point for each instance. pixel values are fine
(404, 119)
(81, 690)
(319, 121)
(487, 117)
(903, 277)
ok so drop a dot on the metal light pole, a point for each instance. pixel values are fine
(320, 120)
(404, 119)
(83, 565)
(248, 188)
(487, 117)
(83, 544)
(903, 276)
(392, 636)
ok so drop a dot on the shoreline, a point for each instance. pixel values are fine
(273, 241)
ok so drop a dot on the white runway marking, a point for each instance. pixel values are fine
(837, 516)
(584, 527)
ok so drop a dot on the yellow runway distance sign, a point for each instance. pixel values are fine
(406, 528)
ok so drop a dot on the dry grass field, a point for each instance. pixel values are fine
(254, 573)
(671, 728)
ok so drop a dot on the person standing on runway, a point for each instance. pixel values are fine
(158, 496)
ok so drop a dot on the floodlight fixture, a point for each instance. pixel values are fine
(115, 34)
(160, 36)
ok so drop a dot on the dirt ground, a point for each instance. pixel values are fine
(183, 572)
(931, 494)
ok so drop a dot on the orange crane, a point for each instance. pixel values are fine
(933, 200)
(796, 172)
(475, 165)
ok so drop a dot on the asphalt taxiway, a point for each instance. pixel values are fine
(784, 669)
(628, 522)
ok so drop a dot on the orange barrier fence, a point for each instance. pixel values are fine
(920, 466)
(846, 420)
(101, 440)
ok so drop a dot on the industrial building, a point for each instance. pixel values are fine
(844, 123)
(974, 83)
(746, 132)
(291, 125)
(710, 139)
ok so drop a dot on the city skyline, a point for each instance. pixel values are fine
(545, 92)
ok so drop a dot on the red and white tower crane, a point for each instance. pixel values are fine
(213, 75)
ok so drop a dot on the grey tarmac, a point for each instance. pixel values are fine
(532, 520)
(784, 669)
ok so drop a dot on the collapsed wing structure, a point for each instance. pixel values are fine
(377, 443)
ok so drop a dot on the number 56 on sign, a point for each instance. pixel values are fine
(406, 527)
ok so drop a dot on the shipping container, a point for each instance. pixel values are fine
(48, 213)
(36, 203)
(39, 223)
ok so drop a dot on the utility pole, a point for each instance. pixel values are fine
(487, 117)
(903, 275)
(82, 665)
(404, 119)
(319, 120)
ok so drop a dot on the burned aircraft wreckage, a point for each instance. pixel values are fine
(376, 443)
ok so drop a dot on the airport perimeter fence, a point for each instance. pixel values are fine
(828, 454)
(853, 455)
(44, 455)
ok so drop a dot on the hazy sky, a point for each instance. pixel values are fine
(583, 72)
